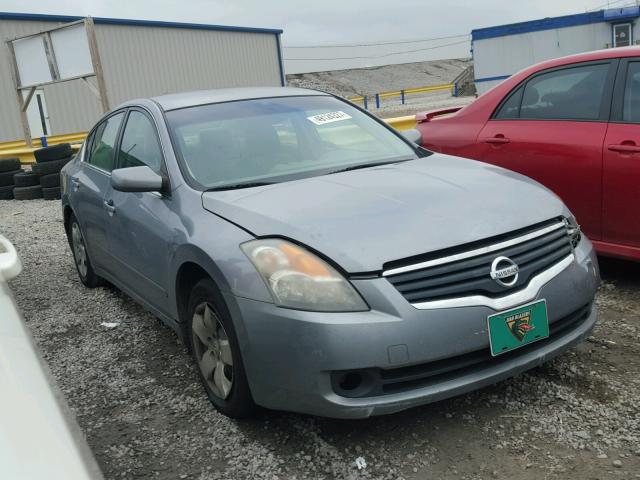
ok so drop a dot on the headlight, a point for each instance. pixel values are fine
(299, 279)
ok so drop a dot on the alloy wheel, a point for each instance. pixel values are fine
(212, 350)
(79, 250)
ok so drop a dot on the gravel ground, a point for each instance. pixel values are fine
(138, 400)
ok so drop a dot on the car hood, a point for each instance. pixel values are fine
(364, 218)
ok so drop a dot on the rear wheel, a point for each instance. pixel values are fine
(83, 265)
(215, 349)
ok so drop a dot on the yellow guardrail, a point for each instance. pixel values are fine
(403, 93)
(402, 123)
(19, 148)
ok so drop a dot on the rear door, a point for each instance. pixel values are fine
(90, 182)
(621, 181)
(551, 128)
(138, 222)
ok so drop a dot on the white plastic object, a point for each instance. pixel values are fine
(10, 264)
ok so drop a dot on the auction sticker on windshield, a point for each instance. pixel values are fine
(329, 117)
(514, 328)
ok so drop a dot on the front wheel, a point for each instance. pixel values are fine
(215, 349)
(80, 257)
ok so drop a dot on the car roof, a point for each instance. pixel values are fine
(204, 97)
(620, 52)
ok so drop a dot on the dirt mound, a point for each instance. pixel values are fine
(372, 80)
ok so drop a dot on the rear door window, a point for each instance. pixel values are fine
(104, 141)
(573, 93)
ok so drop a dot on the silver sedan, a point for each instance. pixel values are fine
(315, 260)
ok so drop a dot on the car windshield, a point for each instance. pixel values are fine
(253, 142)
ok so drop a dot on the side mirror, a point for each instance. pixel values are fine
(136, 179)
(412, 135)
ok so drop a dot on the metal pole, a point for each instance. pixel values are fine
(377, 100)
(366, 106)
(402, 97)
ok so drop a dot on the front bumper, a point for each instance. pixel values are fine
(289, 355)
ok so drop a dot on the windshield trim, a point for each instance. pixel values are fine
(248, 99)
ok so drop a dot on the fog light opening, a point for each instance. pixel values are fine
(350, 381)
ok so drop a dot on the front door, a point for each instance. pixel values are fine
(551, 129)
(621, 181)
(139, 230)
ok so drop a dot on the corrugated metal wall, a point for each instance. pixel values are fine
(145, 61)
(506, 55)
(71, 105)
(142, 61)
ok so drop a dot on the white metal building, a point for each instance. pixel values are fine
(139, 59)
(501, 51)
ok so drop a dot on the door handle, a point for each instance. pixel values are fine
(499, 139)
(109, 207)
(625, 147)
(76, 184)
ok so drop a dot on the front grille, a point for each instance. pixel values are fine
(465, 271)
(379, 381)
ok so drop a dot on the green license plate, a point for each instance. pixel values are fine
(517, 327)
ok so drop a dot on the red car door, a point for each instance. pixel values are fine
(551, 128)
(621, 180)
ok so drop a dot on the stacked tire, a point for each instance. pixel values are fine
(9, 167)
(44, 179)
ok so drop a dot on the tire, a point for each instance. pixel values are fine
(237, 401)
(52, 193)
(9, 164)
(51, 180)
(26, 179)
(55, 152)
(6, 178)
(27, 193)
(50, 166)
(6, 193)
(80, 257)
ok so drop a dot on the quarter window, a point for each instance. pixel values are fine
(511, 108)
(103, 142)
(570, 94)
(631, 102)
(140, 145)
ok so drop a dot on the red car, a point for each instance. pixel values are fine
(571, 123)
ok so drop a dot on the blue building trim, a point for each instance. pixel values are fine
(491, 79)
(131, 22)
(619, 14)
(609, 15)
(538, 25)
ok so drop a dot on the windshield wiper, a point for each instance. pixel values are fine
(235, 186)
(368, 165)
